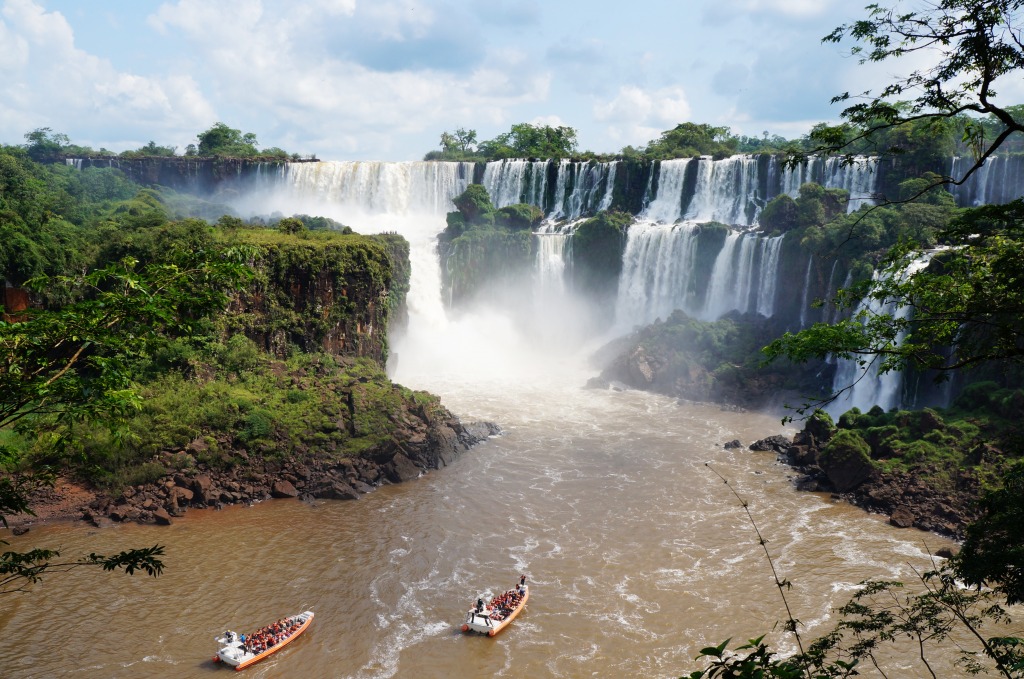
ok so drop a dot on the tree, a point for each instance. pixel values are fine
(993, 553)
(74, 364)
(461, 141)
(45, 144)
(221, 140)
(690, 139)
(531, 141)
(971, 44)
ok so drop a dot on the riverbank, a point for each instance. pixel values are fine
(907, 499)
(422, 446)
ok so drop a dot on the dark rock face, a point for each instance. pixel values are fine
(907, 501)
(442, 442)
(778, 443)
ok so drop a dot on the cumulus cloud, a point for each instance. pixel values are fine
(266, 59)
(635, 116)
(49, 82)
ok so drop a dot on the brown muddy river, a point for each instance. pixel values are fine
(638, 556)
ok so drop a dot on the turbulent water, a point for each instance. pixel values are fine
(638, 555)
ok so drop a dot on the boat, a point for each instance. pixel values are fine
(494, 616)
(242, 650)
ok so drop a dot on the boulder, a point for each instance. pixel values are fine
(778, 443)
(902, 517)
(336, 490)
(202, 487)
(401, 469)
(162, 517)
(180, 497)
(735, 443)
(846, 461)
(282, 488)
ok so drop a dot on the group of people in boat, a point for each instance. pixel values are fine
(502, 605)
(269, 636)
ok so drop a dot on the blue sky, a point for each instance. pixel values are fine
(382, 79)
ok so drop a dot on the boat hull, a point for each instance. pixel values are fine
(233, 653)
(482, 624)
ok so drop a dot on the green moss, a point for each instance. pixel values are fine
(846, 445)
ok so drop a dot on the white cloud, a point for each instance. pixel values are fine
(636, 116)
(48, 81)
(256, 57)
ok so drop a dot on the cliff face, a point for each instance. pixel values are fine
(334, 296)
(200, 176)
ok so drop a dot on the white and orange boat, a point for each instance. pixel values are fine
(241, 650)
(494, 616)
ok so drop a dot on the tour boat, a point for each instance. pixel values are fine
(492, 618)
(235, 652)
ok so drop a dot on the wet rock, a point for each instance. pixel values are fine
(336, 490)
(282, 489)
(778, 443)
(735, 443)
(202, 489)
(902, 518)
(162, 517)
(401, 469)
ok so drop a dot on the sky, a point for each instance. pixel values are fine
(382, 79)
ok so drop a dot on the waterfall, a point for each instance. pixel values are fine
(667, 205)
(770, 248)
(999, 180)
(803, 298)
(727, 191)
(510, 182)
(582, 188)
(609, 188)
(404, 188)
(864, 387)
(859, 178)
(550, 261)
(657, 266)
(587, 179)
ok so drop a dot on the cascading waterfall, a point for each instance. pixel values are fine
(587, 181)
(858, 177)
(660, 274)
(581, 188)
(509, 182)
(864, 387)
(807, 287)
(727, 191)
(380, 187)
(999, 180)
(771, 247)
(667, 206)
(656, 273)
(550, 264)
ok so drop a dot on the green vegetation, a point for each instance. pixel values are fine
(597, 245)
(484, 246)
(690, 139)
(966, 313)
(150, 330)
(522, 141)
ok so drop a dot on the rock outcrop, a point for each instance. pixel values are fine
(904, 498)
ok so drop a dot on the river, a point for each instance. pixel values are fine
(637, 554)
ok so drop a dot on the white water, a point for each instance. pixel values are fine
(999, 180)
(864, 386)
